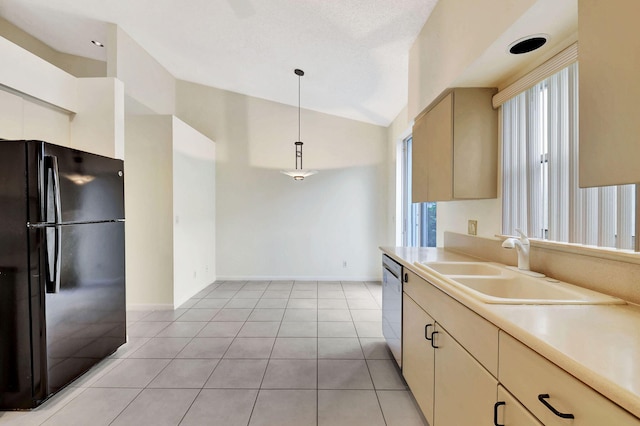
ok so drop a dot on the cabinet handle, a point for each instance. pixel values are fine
(426, 331)
(543, 398)
(433, 340)
(495, 412)
(406, 277)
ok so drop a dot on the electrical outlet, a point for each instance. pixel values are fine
(344, 263)
(472, 228)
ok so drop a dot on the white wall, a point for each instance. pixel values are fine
(453, 216)
(98, 126)
(149, 211)
(194, 211)
(144, 78)
(170, 211)
(455, 35)
(75, 65)
(267, 225)
(43, 122)
(11, 113)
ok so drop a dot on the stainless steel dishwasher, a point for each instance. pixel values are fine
(392, 306)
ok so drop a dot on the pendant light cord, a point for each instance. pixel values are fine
(298, 143)
(299, 108)
(299, 127)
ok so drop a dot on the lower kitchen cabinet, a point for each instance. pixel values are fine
(463, 370)
(551, 394)
(509, 412)
(464, 391)
(450, 386)
(418, 355)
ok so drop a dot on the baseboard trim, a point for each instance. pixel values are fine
(296, 278)
(149, 307)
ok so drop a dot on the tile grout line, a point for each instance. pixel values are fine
(245, 286)
(128, 404)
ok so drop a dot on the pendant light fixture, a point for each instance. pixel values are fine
(299, 173)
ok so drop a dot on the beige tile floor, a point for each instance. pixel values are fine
(245, 353)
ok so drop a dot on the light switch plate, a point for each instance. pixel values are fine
(472, 228)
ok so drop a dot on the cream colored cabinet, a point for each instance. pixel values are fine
(464, 391)
(551, 394)
(463, 370)
(450, 384)
(455, 147)
(478, 336)
(609, 93)
(509, 412)
(418, 357)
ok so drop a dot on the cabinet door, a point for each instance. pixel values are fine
(512, 413)
(528, 375)
(475, 144)
(432, 154)
(417, 355)
(439, 137)
(419, 161)
(609, 63)
(465, 393)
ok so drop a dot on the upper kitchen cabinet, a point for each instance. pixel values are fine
(455, 147)
(609, 92)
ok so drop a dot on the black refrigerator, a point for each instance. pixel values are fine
(62, 267)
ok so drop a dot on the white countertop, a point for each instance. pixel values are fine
(598, 344)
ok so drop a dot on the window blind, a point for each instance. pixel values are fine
(547, 69)
(540, 172)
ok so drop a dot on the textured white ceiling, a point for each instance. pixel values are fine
(354, 52)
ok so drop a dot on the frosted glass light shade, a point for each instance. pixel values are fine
(298, 174)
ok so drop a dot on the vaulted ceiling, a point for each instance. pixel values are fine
(354, 52)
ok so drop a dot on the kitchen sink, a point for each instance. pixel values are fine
(494, 283)
(464, 268)
(520, 290)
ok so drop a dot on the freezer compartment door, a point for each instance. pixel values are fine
(85, 319)
(16, 378)
(83, 187)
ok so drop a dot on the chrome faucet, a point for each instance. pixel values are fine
(522, 246)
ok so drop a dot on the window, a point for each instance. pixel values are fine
(418, 219)
(540, 172)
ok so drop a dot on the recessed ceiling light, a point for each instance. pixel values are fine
(97, 43)
(527, 44)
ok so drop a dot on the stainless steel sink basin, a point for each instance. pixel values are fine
(494, 283)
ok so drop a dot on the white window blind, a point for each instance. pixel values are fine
(540, 172)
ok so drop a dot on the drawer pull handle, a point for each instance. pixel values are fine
(543, 398)
(406, 278)
(495, 412)
(426, 331)
(433, 340)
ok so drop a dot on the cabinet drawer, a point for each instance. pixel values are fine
(478, 336)
(527, 375)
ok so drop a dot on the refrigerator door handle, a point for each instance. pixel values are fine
(53, 184)
(53, 242)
